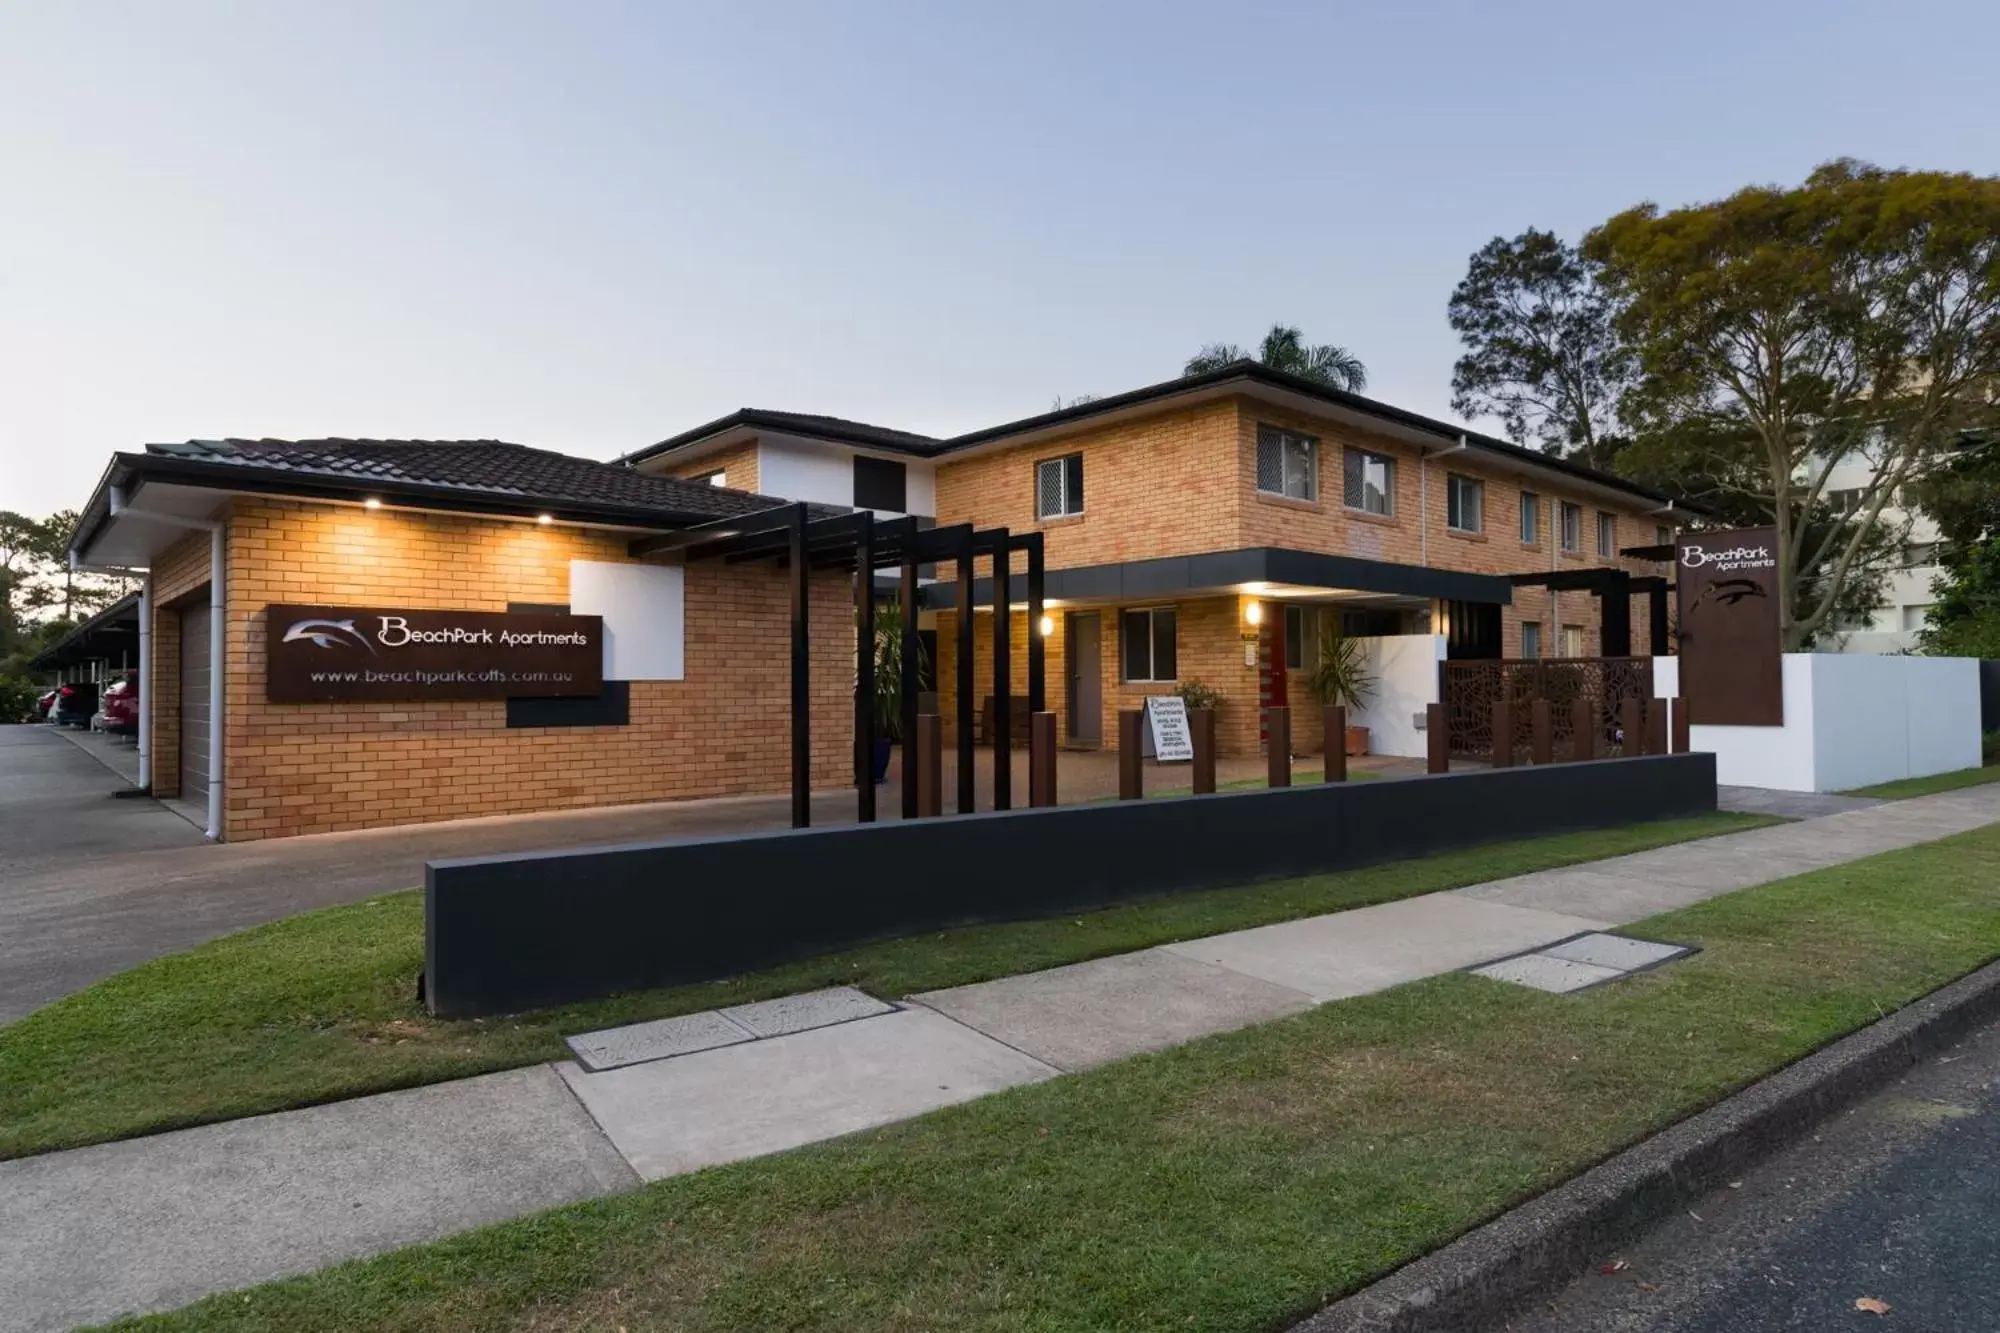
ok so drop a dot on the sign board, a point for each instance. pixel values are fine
(1167, 715)
(317, 653)
(1732, 668)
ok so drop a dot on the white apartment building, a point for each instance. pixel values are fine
(1893, 625)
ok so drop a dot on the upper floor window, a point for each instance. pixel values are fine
(1607, 533)
(1149, 644)
(881, 483)
(1531, 517)
(1572, 527)
(1369, 481)
(1663, 535)
(1464, 503)
(1059, 486)
(1848, 501)
(714, 478)
(1287, 463)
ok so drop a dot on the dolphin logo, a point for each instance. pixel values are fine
(1731, 591)
(327, 633)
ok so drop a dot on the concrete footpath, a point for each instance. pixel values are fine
(152, 1223)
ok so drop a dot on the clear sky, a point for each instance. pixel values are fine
(591, 225)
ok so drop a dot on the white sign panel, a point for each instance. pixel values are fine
(1172, 742)
(644, 607)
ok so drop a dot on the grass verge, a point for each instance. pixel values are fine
(322, 1006)
(1904, 788)
(1230, 1184)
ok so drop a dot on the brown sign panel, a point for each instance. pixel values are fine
(1732, 668)
(346, 652)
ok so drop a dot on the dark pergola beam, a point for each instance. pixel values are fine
(801, 678)
(1003, 676)
(966, 790)
(912, 678)
(864, 667)
(778, 518)
(1037, 647)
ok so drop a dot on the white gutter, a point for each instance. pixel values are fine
(218, 656)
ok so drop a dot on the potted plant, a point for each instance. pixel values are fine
(1197, 695)
(1341, 676)
(889, 636)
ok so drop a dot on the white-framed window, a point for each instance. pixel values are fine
(1607, 533)
(715, 478)
(1531, 518)
(1572, 527)
(1914, 616)
(1301, 631)
(1464, 503)
(1572, 641)
(1287, 463)
(1059, 486)
(1531, 639)
(1148, 644)
(1368, 481)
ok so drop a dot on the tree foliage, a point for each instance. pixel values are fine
(1541, 352)
(40, 595)
(1963, 497)
(1779, 332)
(1284, 348)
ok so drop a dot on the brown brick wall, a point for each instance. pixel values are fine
(738, 467)
(308, 768)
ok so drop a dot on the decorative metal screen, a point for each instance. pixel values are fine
(1048, 488)
(1471, 688)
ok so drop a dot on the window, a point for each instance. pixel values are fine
(1287, 463)
(1301, 627)
(714, 478)
(881, 483)
(1607, 533)
(1848, 501)
(1572, 641)
(1531, 639)
(1913, 616)
(1918, 554)
(1572, 533)
(1464, 503)
(1149, 644)
(1531, 518)
(1059, 486)
(1662, 535)
(1369, 481)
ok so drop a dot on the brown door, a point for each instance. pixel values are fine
(1082, 641)
(194, 702)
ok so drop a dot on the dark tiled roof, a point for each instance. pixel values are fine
(477, 468)
(803, 423)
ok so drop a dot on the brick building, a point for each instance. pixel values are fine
(1204, 529)
(1207, 528)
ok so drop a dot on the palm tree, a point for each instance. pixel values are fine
(1286, 349)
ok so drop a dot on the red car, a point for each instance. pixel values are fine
(120, 707)
(45, 703)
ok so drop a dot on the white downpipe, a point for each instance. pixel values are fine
(146, 683)
(1424, 497)
(218, 661)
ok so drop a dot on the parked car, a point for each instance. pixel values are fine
(119, 713)
(45, 703)
(75, 702)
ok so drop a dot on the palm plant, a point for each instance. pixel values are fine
(1285, 349)
(1341, 674)
(889, 637)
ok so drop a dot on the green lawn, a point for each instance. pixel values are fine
(1937, 782)
(1234, 1183)
(323, 1006)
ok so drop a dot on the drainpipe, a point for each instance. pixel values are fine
(218, 658)
(1424, 497)
(146, 683)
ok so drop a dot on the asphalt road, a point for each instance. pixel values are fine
(1897, 1200)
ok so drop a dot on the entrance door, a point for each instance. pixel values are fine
(195, 667)
(1082, 637)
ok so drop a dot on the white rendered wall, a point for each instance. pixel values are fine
(644, 609)
(1405, 667)
(1853, 720)
(823, 473)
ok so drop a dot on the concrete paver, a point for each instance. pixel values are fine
(661, 1039)
(1085, 1014)
(1543, 972)
(153, 1223)
(766, 1096)
(1614, 951)
(801, 1013)
(1372, 948)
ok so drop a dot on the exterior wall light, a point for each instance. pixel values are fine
(1253, 613)
(371, 503)
(1047, 626)
(545, 519)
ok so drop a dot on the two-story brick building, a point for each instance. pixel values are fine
(1206, 528)
(1203, 529)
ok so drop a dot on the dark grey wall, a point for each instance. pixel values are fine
(505, 933)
